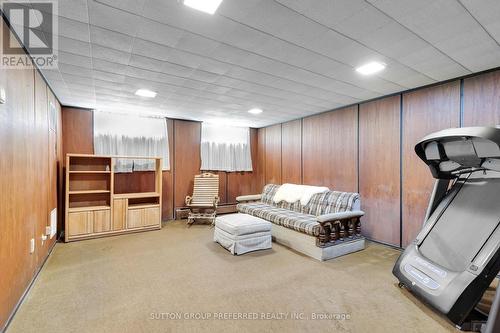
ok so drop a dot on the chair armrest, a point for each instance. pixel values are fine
(340, 216)
(188, 200)
(252, 197)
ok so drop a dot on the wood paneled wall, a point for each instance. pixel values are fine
(184, 141)
(379, 168)
(291, 154)
(28, 155)
(78, 131)
(394, 183)
(481, 102)
(424, 111)
(187, 136)
(273, 155)
(330, 149)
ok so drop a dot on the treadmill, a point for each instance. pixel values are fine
(456, 255)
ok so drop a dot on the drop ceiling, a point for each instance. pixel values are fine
(291, 58)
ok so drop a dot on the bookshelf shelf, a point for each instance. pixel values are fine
(89, 192)
(89, 172)
(93, 209)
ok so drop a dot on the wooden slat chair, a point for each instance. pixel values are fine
(203, 203)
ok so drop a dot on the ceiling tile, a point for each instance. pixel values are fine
(292, 58)
(111, 39)
(111, 18)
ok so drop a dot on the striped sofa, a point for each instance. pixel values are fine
(331, 217)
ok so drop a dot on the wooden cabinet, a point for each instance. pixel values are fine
(89, 222)
(102, 220)
(79, 223)
(143, 217)
(119, 214)
(93, 209)
(152, 216)
(135, 218)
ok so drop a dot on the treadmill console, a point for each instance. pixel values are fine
(451, 152)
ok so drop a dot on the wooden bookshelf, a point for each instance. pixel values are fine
(136, 195)
(89, 192)
(93, 209)
(89, 171)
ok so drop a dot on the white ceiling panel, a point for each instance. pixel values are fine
(74, 59)
(112, 18)
(293, 58)
(486, 13)
(448, 26)
(74, 9)
(74, 46)
(109, 54)
(73, 29)
(111, 39)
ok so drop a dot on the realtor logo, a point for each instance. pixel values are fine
(35, 24)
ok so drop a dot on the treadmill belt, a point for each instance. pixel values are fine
(465, 225)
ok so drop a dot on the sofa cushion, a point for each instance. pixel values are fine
(296, 206)
(330, 202)
(268, 193)
(304, 223)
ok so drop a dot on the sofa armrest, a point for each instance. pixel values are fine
(252, 197)
(340, 216)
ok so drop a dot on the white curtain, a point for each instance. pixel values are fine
(130, 135)
(225, 148)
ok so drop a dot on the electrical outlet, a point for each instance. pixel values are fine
(32, 245)
(48, 230)
(2, 96)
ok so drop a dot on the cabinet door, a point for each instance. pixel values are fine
(119, 214)
(135, 218)
(152, 216)
(80, 223)
(102, 220)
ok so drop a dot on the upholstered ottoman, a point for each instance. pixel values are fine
(242, 233)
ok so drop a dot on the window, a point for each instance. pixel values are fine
(129, 135)
(225, 148)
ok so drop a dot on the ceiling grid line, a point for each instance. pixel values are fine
(420, 37)
(309, 50)
(190, 79)
(479, 23)
(353, 40)
(242, 49)
(220, 61)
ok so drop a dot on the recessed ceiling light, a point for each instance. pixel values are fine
(371, 68)
(207, 6)
(255, 111)
(145, 93)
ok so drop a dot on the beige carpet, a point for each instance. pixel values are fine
(120, 284)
